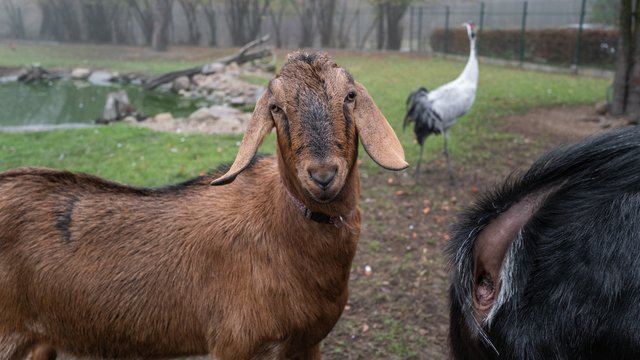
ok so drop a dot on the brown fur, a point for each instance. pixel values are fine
(94, 268)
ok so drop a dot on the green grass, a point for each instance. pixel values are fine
(139, 156)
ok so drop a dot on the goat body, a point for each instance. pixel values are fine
(95, 268)
(549, 265)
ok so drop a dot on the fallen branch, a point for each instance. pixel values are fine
(244, 55)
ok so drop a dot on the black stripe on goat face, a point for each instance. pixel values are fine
(315, 126)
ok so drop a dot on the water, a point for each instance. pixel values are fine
(76, 103)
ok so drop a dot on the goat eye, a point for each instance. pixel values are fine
(274, 109)
(351, 96)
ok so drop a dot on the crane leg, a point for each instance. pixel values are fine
(419, 160)
(446, 156)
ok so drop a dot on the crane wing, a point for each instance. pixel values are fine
(452, 101)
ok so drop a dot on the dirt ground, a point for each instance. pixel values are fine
(399, 283)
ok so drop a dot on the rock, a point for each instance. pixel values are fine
(202, 114)
(233, 69)
(80, 73)
(130, 120)
(116, 107)
(602, 108)
(100, 78)
(238, 101)
(213, 68)
(163, 117)
(181, 83)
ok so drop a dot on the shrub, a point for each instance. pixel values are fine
(554, 46)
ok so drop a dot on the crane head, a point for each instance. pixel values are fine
(471, 29)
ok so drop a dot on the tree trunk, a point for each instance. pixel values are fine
(236, 12)
(306, 22)
(210, 14)
(624, 60)
(97, 22)
(16, 21)
(143, 12)
(633, 91)
(395, 13)
(380, 34)
(326, 10)
(161, 24)
(189, 7)
(276, 22)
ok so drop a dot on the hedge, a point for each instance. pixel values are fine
(553, 46)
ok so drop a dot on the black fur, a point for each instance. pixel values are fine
(63, 218)
(316, 124)
(577, 276)
(420, 111)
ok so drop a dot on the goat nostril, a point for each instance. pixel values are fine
(323, 178)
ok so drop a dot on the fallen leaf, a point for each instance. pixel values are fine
(365, 328)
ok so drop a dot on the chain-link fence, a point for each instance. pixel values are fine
(553, 32)
(567, 33)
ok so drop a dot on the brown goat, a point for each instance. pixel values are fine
(255, 269)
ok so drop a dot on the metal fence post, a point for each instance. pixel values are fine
(411, 8)
(446, 30)
(480, 27)
(522, 31)
(420, 41)
(576, 61)
(358, 28)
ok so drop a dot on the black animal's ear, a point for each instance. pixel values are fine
(378, 138)
(259, 127)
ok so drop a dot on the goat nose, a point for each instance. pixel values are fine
(323, 177)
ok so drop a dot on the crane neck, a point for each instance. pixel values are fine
(471, 68)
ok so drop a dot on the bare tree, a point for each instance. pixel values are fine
(244, 18)
(626, 86)
(325, 11)
(161, 23)
(305, 9)
(276, 13)
(390, 14)
(344, 26)
(190, 9)
(16, 21)
(143, 12)
(106, 21)
(209, 11)
(60, 20)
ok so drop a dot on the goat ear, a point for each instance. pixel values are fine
(378, 138)
(259, 127)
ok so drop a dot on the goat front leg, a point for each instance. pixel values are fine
(311, 354)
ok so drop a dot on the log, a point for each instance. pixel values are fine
(244, 55)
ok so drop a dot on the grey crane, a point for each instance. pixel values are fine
(434, 112)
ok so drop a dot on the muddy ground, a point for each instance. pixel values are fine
(398, 309)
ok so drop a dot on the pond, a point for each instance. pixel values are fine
(67, 103)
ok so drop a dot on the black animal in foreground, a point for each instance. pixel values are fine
(548, 266)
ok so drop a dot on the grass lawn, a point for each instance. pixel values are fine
(142, 157)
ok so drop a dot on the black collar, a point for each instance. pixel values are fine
(318, 217)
